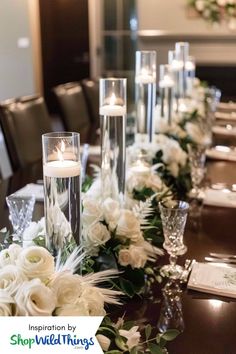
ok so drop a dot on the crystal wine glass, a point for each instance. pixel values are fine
(197, 158)
(21, 211)
(173, 215)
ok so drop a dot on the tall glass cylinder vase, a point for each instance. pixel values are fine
(145, 95)
(62, 189)
(113, 111)
(176, 68)
(166, 88)
(190, 72)
(182, 52)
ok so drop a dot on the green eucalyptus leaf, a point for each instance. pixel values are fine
(148, 331)
(154, 348)
(114, 352)
(170, 334)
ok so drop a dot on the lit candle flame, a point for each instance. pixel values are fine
(112, 99)
(61, 150)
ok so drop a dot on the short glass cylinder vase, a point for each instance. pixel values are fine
(62, 189)
(113, 113)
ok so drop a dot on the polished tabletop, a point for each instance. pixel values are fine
(209, 321)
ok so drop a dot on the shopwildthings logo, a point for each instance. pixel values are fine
(52, 339)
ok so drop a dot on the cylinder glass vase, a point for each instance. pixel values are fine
(145, 95)
(113, 111)
(182, 52)
(166, 88)
(62, 189)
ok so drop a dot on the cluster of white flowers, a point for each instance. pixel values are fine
(31, 285)
(103, 220)
(217, 10)
(173, 156)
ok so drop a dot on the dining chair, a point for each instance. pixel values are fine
(74, 109)
(23, 121)
(91, 92)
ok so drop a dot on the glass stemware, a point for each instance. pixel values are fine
(173, 215)
(197, 159)
(21, 211)
(171, 315)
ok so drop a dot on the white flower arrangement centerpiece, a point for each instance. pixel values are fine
(119, 238)
(216, 11)
(169, 160)
(32, 283)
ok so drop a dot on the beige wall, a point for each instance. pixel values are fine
(163, 22)
(16, 64)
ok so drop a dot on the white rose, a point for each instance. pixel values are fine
(34, 298)
(9, 256)
(97, 234)
(94, 301)
(200, 5)
(67, 287)
(128, 226)
(135, 182)
(36, 262)
(133, 336)
(91, 211)
(32, 231)
(124, 257)
(11, 278)
(154, 182)
(5, 303)
(78, 309)
(221, 2)
(135, 256)
(138, 256)
(103, 341)
(111, 212)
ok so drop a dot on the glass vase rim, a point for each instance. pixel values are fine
(56, 135)
(177, 202)
(113, 79)
(146, 51)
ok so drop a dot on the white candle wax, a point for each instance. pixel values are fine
(189, 66)
(166, 82)
(145, 79)
(177, 65)
(112, 110)
(61, 169)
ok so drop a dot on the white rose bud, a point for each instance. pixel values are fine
(91, 211)
(5, 303)
(128, 226)
(9, 256)
(138, 255)
(98, 234)
(103, 341)
(124, 257)
(34, 298)
(111, 211)
(67, 287)
(36, 262)
(11, 278)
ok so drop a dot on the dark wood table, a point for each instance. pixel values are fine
(210, 322)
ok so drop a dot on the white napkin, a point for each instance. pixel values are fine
(223, 130)
(32, 189)
(93, 149)
(222, 153)
(222, 198)
(225, 116)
